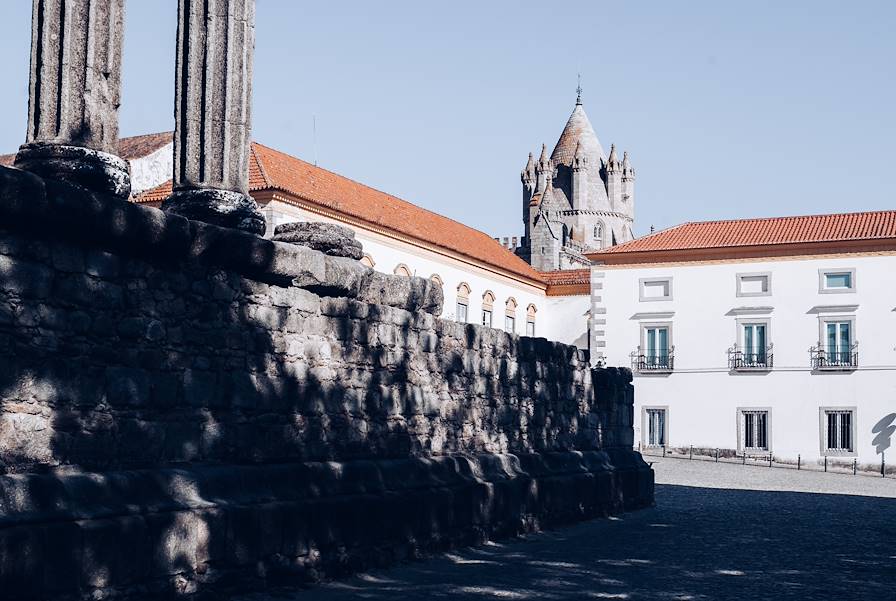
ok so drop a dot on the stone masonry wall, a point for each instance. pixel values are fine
(172, 426)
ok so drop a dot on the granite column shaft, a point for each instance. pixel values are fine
(74, 94)
(213, 89)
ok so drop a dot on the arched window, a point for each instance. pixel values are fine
(463, 302)
(599, 234)
(436, 279)
(510, 315)
(530, 320)
(565, 236)
(368, 261)
(402, 269)
(488, 302)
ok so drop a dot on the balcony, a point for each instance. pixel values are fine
(834, 359)
(655, 361)
(741, 360)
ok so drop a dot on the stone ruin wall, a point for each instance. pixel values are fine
(185, 408)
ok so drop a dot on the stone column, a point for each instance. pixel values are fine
(75, 93)
(213, 88)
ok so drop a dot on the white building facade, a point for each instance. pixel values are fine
(784, 349)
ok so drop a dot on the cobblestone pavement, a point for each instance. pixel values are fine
(718, 532)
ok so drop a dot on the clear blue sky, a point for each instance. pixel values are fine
(729, 109)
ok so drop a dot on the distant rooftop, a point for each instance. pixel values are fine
(764, 232)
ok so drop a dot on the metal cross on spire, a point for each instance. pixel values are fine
(579, 89)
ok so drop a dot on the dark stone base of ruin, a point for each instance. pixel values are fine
(207, 530)
(187, 410)
(95, 170)
(224, 208)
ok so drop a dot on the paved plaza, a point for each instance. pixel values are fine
(718, 532)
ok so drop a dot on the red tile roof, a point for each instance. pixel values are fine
(136, 147)
(271, 169)
(567, 277)
(808, 229)
(7, 159)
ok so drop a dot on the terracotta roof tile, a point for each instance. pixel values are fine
(135, 147)
(567, 276)
(838, 227)
(7, 159)
(272, 169)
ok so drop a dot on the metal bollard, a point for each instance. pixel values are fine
(744, 457)
(799, 460)
(691, 452)
(664, 450)
(825, 463)
(717, 455)
(883, 466)
(770, 457)
(854, 465)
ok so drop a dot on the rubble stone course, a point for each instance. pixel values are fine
(329, 238)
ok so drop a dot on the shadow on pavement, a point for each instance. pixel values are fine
(698, 543)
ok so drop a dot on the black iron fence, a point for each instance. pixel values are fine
(839, 358)
(741, 360)
(654, 360)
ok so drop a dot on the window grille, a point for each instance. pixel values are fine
(839, 431)
(755, 430)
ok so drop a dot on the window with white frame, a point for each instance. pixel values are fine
(754, 343)
(837, 430)
(655, 289)
(836, 280)
(510, 315)
(838, 341)
(463, 302)
(509, 324)
(754, 284)
(754, 430)
(657, 346)
(531, 310)
(488, 301)
(655, 427)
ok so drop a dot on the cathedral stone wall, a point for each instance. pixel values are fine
(185, 409)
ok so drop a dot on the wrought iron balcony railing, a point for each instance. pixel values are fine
(742, 360)
(654, 360)
(822, 357)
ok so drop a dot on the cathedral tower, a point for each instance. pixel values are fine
(577, 199)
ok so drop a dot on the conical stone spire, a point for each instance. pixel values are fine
(627, 168)
(578, 130)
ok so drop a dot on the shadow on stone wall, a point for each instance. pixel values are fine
(166, 426)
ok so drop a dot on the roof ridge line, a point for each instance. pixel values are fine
(398, 198)
(261, 169)
(803, 216)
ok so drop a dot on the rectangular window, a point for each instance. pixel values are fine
(655, 289)
(656, 427)
(754, 430)
(838, 430)
(462, 312)
(530, 329)
(509, 324)
(754, 284)
(487, 318)
(754, 344)
(837, 343)
(840, 280)
(656, 347)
